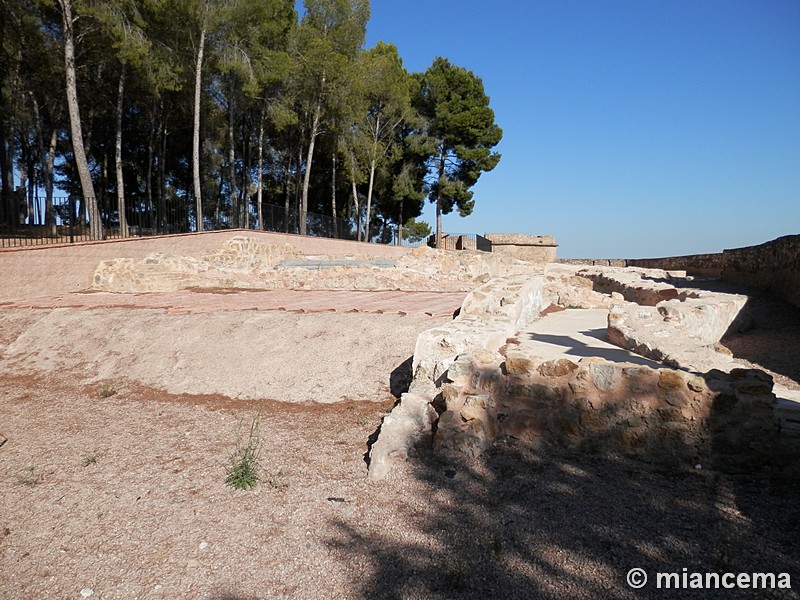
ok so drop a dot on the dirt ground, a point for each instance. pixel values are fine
(114, 488)
(124, 495)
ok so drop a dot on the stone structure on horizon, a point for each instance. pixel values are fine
(533, 248)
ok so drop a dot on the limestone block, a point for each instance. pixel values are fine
(408, 422)
(520, 364)
(603, 375)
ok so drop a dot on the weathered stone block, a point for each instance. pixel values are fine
(696, 384)
(594, 420)
(631, 437)
(557, 368)
(669, 379)
(676, 398)
(603, 375)
(536, 391)
(519, 364)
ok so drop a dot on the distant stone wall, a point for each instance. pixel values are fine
(595, 262)
(773, 266)
(31, 271)
(697, 265)
(250, 262)
(533, 248)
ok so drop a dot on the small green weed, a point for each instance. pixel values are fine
(29, 477)
(243, 471)
(107, 391)
(89, 459)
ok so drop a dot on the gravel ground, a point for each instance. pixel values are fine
(124, 495)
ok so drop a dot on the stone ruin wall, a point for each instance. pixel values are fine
(663, 416)
(251, 262)
(474, 386)
(773, 266)
(697, 265)
(532, 248)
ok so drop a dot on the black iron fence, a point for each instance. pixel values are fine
(68, 222)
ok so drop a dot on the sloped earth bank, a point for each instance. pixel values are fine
(320, 357)
(124, 495)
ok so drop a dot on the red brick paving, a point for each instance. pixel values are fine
(435, 304)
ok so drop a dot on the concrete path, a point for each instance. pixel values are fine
(575, 334)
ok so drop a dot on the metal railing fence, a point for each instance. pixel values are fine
(68, 222)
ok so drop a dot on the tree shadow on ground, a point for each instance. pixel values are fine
(577, 348)
(522, 523)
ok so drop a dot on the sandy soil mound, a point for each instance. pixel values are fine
(319, 357)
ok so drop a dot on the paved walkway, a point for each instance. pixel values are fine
(434, 304)
(575, 334)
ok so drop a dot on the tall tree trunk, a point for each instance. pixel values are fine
(356, 204)
(307, 177)
(49, 168)
(439, 204)
(372, 168)
(373, 165)
(312, 139)
(298, 186)
(259, 174)
(162, 175)
(48, 154)
(198, 82)
(87, 187)
(234, 196)
(43, 150)
(287, 181)
(123, 219)
(5, 190)
(246, 160)
(333, 196)
(400, 226)
(151, 142)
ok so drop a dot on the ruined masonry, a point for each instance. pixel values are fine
(476, 385)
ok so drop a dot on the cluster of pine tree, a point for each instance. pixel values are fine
(215, 109)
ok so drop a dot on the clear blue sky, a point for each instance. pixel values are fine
(631, 128)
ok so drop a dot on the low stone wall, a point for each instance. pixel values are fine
(696, 265)
(45, 270)
(773, 266)
(646, 287)
(488, 317)
(592, 262)
(249, 262)
(680, 327)
(474, 384)
(662, 416)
